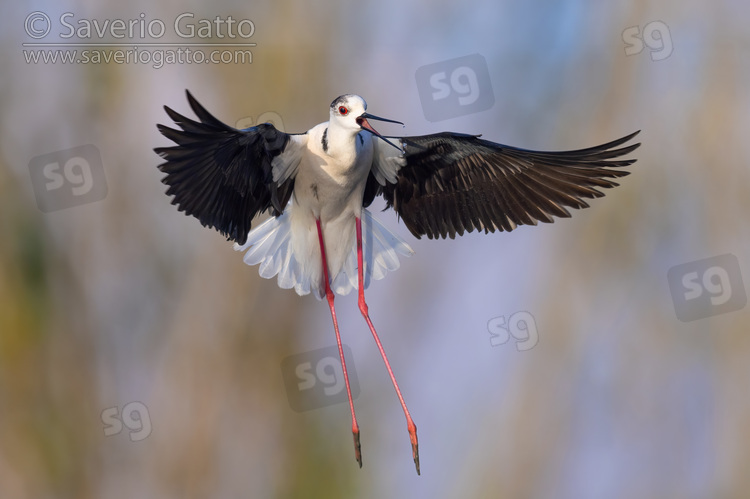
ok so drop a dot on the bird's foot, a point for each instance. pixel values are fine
(357, 446)
(414, 445)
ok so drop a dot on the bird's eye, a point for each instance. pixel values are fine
(343, 111)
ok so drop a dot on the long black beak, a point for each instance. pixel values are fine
(362, 121)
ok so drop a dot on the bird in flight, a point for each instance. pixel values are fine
(317, 185)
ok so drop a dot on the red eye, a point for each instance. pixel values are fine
(343, 111)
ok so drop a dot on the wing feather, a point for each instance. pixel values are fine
(454, 183)
(223, 176)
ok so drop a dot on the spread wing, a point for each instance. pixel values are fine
(224, 176)
(454, 183)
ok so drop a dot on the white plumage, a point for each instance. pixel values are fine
(270, 245)
(330, 165)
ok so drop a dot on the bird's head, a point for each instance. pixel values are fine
(348, 112)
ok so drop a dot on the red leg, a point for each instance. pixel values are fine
(329, 297)
(363, 308)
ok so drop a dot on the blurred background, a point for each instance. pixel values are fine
(139, 356)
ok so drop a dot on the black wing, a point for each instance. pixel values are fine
(224, 176)
(454, 183)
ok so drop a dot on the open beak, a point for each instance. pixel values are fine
(362, 122)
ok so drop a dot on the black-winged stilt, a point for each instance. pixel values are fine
(318, 184)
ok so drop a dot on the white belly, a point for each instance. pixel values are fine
(329, 190)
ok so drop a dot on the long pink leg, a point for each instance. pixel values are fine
(329, 297)
(363, 308)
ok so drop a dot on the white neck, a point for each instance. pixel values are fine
(341, 141)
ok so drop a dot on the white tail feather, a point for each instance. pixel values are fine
(270, 245)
